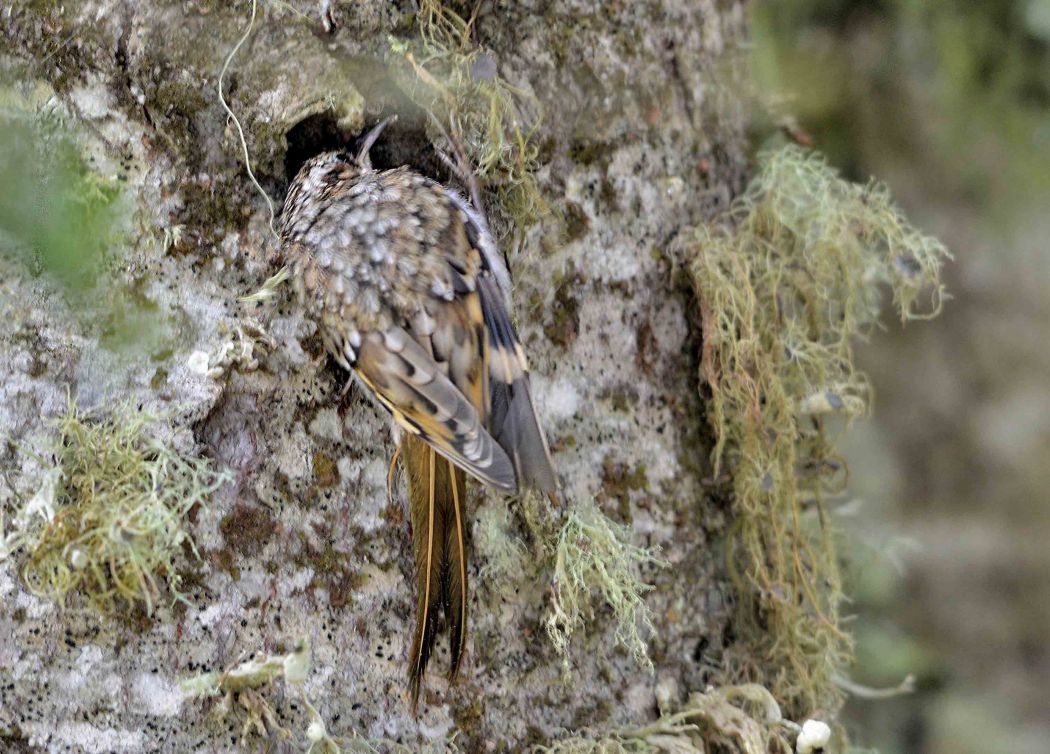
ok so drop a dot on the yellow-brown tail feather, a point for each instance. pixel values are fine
(436, 491)
(456, 550)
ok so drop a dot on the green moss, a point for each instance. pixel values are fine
(326, 474)
(29, 336)
(619, 480)
(15, 741)
(247, 528)
(577, 223)
(564, 325)
(584, 150)
(784, 288)
(109, 519)
(594, 558)
(330, 568)
(621, 397)
(160, 377)
(226, 560)
(468, 716)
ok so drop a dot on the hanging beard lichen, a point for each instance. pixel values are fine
(784, 287)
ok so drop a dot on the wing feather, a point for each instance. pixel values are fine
(512, 420)
(425, 402)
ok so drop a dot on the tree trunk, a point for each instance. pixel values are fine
(642, 134)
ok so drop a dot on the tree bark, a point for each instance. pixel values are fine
(643, 134)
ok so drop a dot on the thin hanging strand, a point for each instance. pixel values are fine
(237, 122)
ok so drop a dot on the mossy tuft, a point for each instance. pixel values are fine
(448, 75)
(594, 557)
(109, 521)
(785, 287)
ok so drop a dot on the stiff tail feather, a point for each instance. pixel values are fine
(437, 493)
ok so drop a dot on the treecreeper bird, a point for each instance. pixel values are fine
(411, 294)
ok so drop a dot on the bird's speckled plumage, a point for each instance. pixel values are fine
(409, 291)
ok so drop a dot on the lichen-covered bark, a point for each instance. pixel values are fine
(642, 135)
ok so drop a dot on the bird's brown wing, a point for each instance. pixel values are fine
(425, 402)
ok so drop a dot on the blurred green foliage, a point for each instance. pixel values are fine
(56, 213)
(64, 220)
(949, 102)
(966, 84)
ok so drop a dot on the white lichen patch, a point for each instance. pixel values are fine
(327, 425)
(84, 737)
(293, 457)
(157, 695)
(560, 399)
(813, 737)
(198, 363)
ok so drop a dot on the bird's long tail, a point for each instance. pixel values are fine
(437, 493)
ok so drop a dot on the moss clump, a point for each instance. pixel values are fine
(326, 473)
(564, 325)
(109, 520)
(451, 77)
(577, 222)
(594, 557)
(784, 288)
(248, 528)
(619, 481)
(329, 566)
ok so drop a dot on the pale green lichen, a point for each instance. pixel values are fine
(241, 684)
(259, 671)
(595, 559)
(269, 289)
(785, 287)
(503, 556)
(109, 519)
